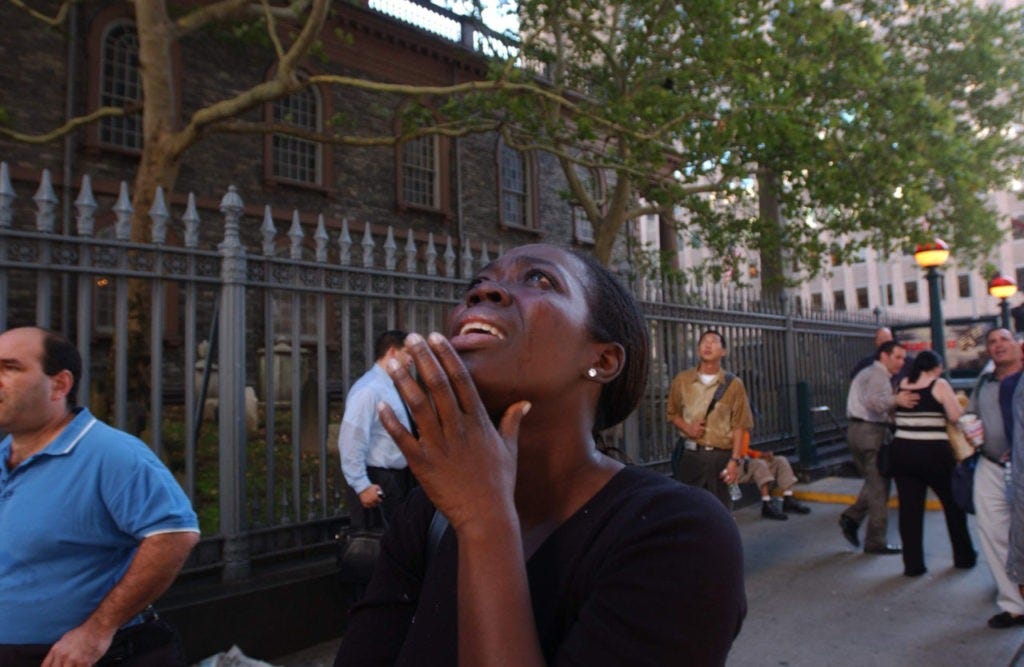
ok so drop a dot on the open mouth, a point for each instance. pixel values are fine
(481, 328)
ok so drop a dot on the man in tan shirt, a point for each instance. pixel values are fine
(709, 408)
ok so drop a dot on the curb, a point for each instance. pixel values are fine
(931, 504)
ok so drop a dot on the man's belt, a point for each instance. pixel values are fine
(866, 421)
(998, 461)
(691, 446)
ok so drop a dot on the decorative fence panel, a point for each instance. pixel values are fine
(228, 346)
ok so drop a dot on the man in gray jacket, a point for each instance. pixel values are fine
(869, 407)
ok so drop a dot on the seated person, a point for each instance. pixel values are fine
(764, 468)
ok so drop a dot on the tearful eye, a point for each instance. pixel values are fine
(538, 278)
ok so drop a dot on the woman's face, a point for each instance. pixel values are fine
(521, 329)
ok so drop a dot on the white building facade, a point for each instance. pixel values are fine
(892, 286)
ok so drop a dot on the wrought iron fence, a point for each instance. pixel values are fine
(229, 346)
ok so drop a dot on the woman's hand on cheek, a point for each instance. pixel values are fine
(466, 466)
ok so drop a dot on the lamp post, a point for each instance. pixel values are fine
(1002, 287)
(930, 256)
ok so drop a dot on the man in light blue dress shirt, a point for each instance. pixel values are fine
(374, 467)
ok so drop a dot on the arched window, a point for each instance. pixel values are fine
(120, 85)
(294, 159)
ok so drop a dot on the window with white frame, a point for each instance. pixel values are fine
(120, 86)
(583, 228)
(516, 195)
(420, 173)
(292, 158)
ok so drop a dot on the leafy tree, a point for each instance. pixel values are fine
(799, 128)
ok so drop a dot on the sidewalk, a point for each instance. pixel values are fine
(814, 600)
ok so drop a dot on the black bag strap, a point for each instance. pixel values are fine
(719, 393)
(438, 524)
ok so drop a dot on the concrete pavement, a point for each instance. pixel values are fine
(814, 600)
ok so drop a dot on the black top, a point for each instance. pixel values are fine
(647, 572)
(925, 422)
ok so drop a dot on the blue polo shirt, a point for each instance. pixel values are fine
(71, 517)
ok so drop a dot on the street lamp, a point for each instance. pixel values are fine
(1002, 287)
(929, 256)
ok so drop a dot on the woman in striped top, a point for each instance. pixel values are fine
(921, 458)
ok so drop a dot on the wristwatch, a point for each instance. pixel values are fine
(734, 460)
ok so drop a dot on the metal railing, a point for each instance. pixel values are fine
(229, 346)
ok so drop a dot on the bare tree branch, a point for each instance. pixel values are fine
(53, 21)
(235, 126)
(68, 127)
(283, 84)
(228, 9)
(272, 29)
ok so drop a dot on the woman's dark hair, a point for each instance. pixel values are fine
(925, 360)
(615, 317)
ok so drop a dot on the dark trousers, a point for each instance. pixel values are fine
(916, 466)
(865, 439)
(703, 469)
(396, 484)
(152, 644)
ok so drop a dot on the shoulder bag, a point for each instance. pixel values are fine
(962, 483)
(358, 551)
(962, 449)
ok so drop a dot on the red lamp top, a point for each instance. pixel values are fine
(933, 253)
(1002, 287)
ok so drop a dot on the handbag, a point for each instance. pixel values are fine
(358, 551)
(962, 483)
(962, 449)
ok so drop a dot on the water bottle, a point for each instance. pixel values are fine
(735, 492)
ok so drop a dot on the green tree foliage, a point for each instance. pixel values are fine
(856, 120)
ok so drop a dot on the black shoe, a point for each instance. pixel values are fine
(914, 571)
(884, 550)
(791, 504)
(1005, 620)
(849, 527)
(769, 511)
(966, 564)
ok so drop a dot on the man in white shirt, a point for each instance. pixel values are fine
(374, 467)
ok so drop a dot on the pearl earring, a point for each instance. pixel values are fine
(591, 373)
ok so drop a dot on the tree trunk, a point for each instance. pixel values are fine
(605, 232)
(161, 151)
(773, 278)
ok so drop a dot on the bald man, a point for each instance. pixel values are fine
(882, 335)
(94, 527)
